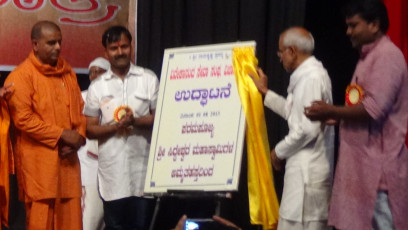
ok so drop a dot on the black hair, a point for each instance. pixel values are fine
(370, 11)
(113, 34)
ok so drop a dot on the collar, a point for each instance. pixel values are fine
(299, 71)
(365, 49)
(61, 68)
(133, 71)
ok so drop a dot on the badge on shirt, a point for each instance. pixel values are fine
(120, 112)
(354, 94)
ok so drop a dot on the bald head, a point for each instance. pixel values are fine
(36, 31)
(46, 41)
(300, 38)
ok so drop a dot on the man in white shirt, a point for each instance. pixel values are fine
(120, 108)
(92, 207)
(308, 147)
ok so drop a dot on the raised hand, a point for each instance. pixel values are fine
(261, 83)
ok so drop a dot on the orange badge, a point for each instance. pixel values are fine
(354, 94)
(120, 112)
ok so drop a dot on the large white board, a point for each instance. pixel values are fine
(199, 125)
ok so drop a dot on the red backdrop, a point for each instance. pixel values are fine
(82, 23)
(398, 32)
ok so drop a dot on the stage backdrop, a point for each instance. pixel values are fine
(82, 24)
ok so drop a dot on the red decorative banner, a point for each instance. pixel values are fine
(82, 23)
(398, 16)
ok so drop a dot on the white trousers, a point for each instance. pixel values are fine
(310, 225)
(382, 219)
(92, 208)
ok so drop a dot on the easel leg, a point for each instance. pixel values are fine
(218, 207)
(156, 211)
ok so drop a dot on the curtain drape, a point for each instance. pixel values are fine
(398, 31)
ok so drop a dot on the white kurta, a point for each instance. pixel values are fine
(92, 206)
(308, 147)
(88, 158)
(123, 158)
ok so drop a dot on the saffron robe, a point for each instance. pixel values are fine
(46, 100)
(6, 162)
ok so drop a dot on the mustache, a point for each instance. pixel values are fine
(120, 56)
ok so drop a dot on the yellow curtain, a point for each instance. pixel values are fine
(263, 203)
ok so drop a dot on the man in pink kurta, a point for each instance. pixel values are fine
(371, 179)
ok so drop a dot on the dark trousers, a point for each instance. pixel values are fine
(130, 213)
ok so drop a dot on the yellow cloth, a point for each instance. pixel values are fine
(263, 203)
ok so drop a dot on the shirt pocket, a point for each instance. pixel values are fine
(140, 104)
(108, 105)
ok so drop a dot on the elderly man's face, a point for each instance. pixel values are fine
(286, 56)
(48, 47)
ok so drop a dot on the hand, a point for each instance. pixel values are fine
(66, 150)
(276, 162)
(261, 83)
(126, 120)
(182, 220)
(226, 222)
(180, 223)
(72, 138)
(6, 90)
(331, 122)
(319, 111)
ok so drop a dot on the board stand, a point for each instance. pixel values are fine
(189, 194)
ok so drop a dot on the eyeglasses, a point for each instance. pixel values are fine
(280, 52)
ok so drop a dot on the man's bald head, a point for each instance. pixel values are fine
(46, 41)
(36, 31)
(300, 38)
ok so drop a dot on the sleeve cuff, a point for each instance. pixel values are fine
(91, 112)
(270, 97)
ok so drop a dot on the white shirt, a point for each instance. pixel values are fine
(308, 147)
(123, 158)
(88, 158)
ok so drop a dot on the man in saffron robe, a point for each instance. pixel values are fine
(46, 108)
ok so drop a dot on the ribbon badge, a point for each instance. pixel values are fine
(354, 94)
(120, 112)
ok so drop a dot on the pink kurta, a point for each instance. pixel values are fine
(374, 149)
